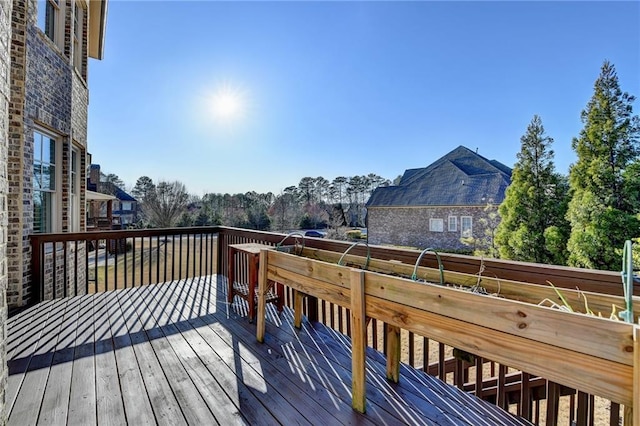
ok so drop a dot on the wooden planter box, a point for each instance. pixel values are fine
(595, 355)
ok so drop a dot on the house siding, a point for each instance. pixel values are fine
(409, 226)
(46, 92)
(5, 92)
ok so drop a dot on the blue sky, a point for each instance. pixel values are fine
(343, 88)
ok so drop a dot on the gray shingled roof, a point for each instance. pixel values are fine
(460, 178)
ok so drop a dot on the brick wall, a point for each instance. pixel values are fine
(409, 226)
(46, 93)
(5, 64)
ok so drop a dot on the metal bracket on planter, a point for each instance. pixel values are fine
(414, 277)
(627, 281)
(294, 247)
(366, 265)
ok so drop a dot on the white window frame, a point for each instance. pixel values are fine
(79, 42)
(74, 189)
(466, 231)
(436, 225)
(44, 19)
(51, 222)
(453, 224)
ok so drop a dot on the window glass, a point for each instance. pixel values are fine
(44, 182)
(74, 201)
(453, 223)
(466, 226)
(436, 225)
(47, 16)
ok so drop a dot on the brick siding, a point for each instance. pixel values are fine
(47, 93)
(5, 91)
(409, 226)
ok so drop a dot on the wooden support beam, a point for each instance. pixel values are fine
(393, 353)
(359, 341)
(298, 299)
(263, 287)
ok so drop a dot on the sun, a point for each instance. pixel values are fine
(228, 103)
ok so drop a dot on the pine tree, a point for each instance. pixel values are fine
(600, 212)
(533, 227)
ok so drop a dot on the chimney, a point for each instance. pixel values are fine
(94, 174)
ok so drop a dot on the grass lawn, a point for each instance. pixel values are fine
(153, 260)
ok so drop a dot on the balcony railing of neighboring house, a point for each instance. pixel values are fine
(137, 257)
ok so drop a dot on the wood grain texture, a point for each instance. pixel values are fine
(359, 341)
(393, 353)
(599, 337)
(523, 291)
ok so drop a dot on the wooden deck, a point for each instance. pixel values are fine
(179, 354)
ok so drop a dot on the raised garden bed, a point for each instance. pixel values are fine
(504, 322)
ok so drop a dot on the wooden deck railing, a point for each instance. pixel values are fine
(65, 265)
(80, 263)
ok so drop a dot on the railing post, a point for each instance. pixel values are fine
(359, 341)
(393, 353)
(219, 250)
(35, 268)
(262, 296)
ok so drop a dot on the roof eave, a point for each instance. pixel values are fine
(97, 27)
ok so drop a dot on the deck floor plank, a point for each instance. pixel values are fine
(281, 406)
(137, 406)
(165, 407)
(55, 403)
(213, 403)
(250, 406)
(327, 387)
(178, 353)
(21, 347)
(82, 399)
(314, 406)
(110, 404)
(29, 398)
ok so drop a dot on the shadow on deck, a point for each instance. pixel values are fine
(177, 353)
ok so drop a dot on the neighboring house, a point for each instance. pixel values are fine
(438, 205)
(50, 44)
(107, 202)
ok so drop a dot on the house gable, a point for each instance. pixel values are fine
(460, 178)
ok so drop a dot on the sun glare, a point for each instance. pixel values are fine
(228, 104)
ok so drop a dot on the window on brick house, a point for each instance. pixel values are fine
(466, 226)
(436, 225)
(453, 223)
(74, 193)
(44, 182)
(78, 37)
(50, 19)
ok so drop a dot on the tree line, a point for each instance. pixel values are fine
(581, 219)
(313, 203)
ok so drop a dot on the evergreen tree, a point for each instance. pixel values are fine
(533, 227)
(601, 215)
